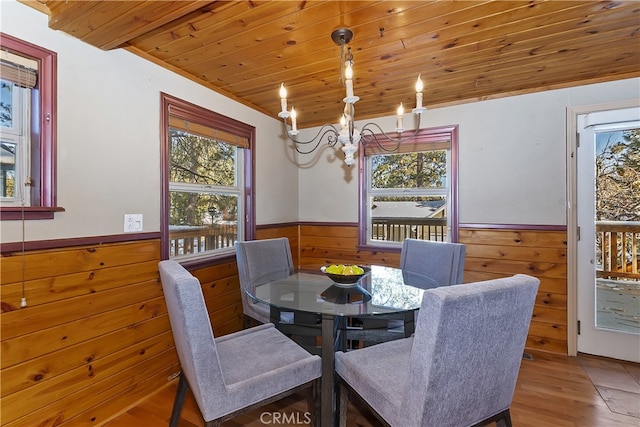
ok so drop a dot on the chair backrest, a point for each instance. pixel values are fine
(192, 332)
(466, 353)
(262, 260)
(441, 261)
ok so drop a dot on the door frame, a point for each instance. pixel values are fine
(572, 212)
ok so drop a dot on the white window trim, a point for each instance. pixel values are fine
(19, 134)
(373, 192)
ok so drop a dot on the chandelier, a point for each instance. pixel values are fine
(348, 135)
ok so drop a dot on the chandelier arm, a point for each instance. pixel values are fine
(297, 148)
(331, 139)
(368, 136)
(331, 135)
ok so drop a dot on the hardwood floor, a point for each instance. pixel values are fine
(552, 390)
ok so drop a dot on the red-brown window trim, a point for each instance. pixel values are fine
(170, 105)
(43, 133)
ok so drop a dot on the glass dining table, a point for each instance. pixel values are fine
(311, 305)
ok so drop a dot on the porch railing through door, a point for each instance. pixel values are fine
(617, 249)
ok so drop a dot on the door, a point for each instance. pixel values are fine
(608, 283)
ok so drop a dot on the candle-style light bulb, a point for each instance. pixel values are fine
(348, 71)
(348, 75)
(400, 114)
(294, 115)
(283, 98)
(343, 121)
(419, 87)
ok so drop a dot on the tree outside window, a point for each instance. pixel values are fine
(618, 175)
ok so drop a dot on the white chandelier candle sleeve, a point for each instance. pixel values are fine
(294, 115)
(419, 87)
(283, 98)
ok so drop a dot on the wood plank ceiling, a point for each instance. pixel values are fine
(464, 50)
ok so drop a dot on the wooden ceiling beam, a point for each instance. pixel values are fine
(109, 24)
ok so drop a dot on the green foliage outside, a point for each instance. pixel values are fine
(411, 170)
(425, 169)
(6, 104)
(618, 176)
(203, 162)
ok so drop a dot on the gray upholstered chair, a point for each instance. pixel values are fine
(235, 372)
(260, 261)
(441, 261)
(441, 264)
(460, 367)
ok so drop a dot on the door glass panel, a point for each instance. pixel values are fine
(617, 216)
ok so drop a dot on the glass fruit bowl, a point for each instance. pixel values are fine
(346, 278)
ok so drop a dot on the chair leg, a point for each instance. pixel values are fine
(313, 401)
(178, 401)
(343, 405)
(246, 321)
(501, 419)
(505, 421)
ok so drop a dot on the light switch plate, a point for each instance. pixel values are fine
(132, 223)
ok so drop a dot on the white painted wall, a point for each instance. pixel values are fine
(109, 137)
(512, 167)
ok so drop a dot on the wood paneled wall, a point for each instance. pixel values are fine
(328, 244)
(95, 336)
(491, 253)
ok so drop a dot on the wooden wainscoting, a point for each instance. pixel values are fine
(221, 289)
(329, 244)
(493, 253)
(95, 336)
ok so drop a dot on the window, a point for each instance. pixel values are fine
(27, 130)
(410, 192)
(207, 203)
(15, 113)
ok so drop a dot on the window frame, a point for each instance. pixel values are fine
(424, 136)
(43, 133)
(194, 113)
